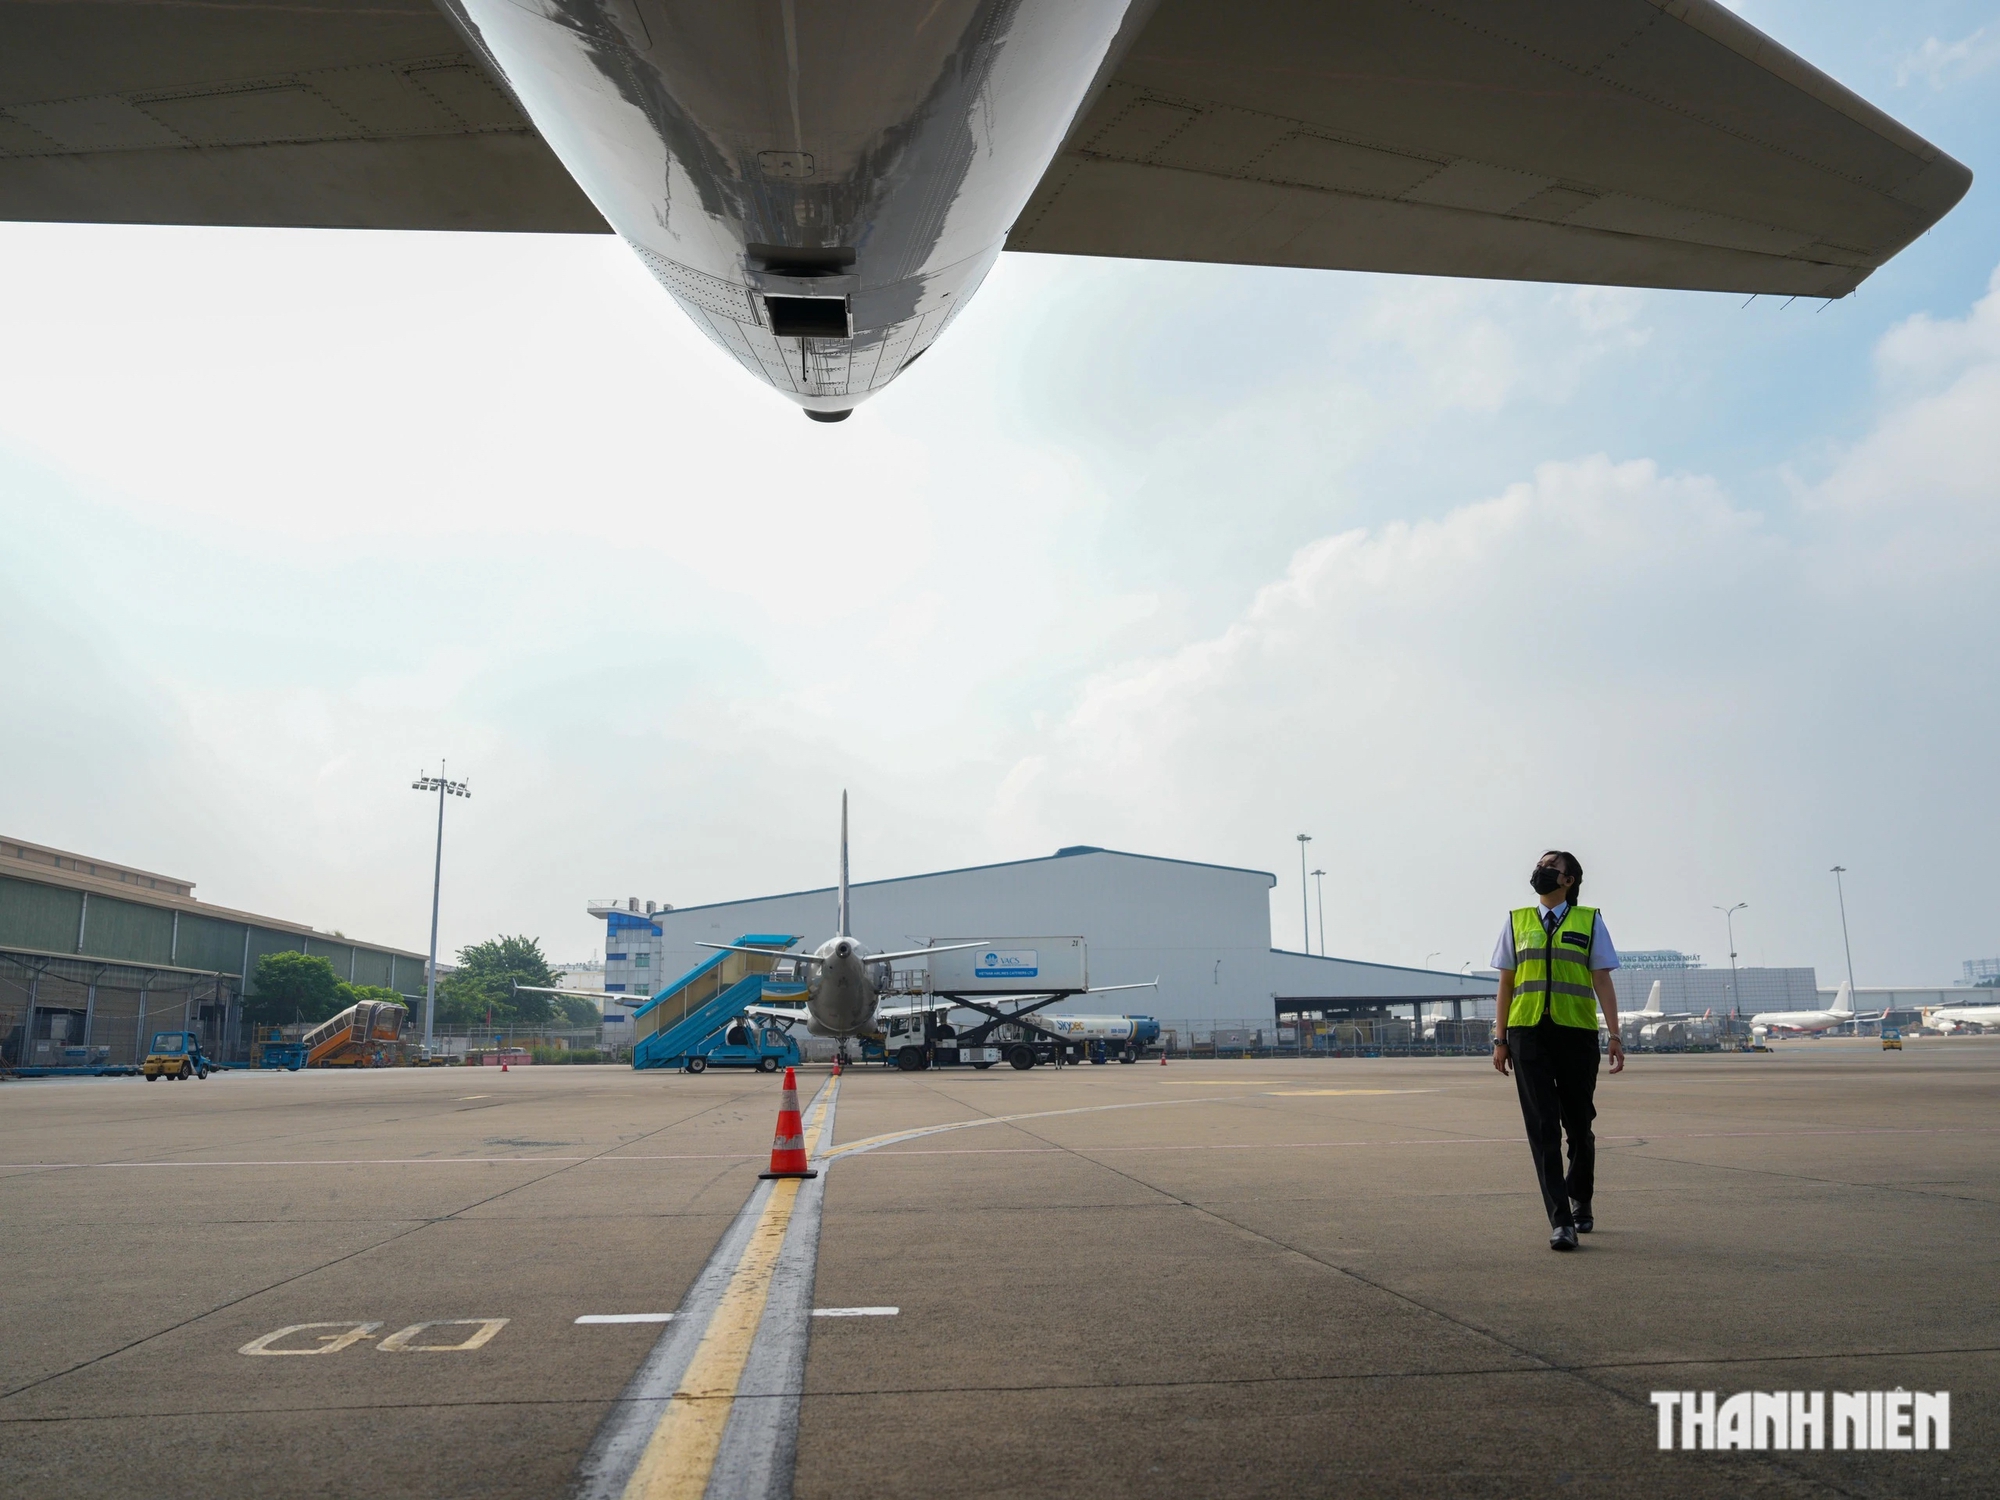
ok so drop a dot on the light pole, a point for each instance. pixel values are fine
(426, 782)
(1729, 916)
(1431, 955)
(1319, 886)
(1837, 871)
(1304, 920)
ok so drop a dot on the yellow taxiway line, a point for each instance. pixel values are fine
(680, 1455)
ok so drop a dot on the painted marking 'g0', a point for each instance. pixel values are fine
(399, 1341)
(329, 1343)
(402, 1341)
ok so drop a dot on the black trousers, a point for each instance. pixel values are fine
(1555, 1073)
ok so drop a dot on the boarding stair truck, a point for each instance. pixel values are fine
(176, 1055)
(359, 1037)
(702, 1018)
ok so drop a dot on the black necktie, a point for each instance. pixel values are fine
(1549, 923)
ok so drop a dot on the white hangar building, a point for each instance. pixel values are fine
(1203, 930)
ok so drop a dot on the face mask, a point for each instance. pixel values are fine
(1544, 880)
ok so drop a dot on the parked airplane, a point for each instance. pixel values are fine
(822, 187)
(1955, 1017)
(844, 981)
(1840, 1013)
(1649, 1013)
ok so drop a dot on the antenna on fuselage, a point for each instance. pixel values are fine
(842, 913)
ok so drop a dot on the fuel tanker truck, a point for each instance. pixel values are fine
(1106, 1036)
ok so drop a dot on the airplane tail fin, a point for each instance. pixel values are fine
(842, 913)
(1652, 1000)
(1843, 1000)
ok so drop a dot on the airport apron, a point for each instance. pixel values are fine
(1552, 1039)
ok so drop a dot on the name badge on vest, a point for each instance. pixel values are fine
(1577, 939)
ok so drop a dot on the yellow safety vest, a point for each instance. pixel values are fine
(1552, 969)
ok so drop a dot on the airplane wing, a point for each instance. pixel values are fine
(797, 958)
(619, 996)
(313, 112)
(777, 1012)
(1659, 143)
(877, 958)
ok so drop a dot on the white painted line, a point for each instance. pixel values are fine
(626, 1318)
(856, 1312)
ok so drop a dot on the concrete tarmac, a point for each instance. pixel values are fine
(1218, 1278)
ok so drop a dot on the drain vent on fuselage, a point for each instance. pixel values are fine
(808, 317)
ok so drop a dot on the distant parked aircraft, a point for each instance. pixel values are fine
(1958, 1017)
(1840, 1014)
(844, 981)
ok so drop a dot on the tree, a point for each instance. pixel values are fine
(484, 983)
(293, 986)
(578, 1010)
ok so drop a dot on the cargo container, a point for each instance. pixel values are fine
(1012, 966)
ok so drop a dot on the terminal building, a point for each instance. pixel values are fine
(96, 956)
(1204, 931)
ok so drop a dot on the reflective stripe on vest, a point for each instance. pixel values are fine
(1552, 969)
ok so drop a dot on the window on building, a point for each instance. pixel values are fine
(616, 958)
(644, 961)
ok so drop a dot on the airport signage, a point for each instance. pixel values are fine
(1005, 963)
(1794, 1421)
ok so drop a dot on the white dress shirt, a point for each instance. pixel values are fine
(1602, 954)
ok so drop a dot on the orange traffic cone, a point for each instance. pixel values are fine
(503, 1064)
(788, 1146)
(836, 1067)
(1163, 1059)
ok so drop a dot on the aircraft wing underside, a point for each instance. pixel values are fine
(310, 112)
(1660, 143)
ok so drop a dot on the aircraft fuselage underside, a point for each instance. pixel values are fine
(820, 186)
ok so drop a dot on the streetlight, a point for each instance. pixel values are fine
(1837, 871)
(426, 782)
(1304, 920)
(1431, 955)
(1319, 886)
(1729, 916)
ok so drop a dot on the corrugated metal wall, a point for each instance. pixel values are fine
(42, 917)
(209, 943)
(129, 931)
(340, 955)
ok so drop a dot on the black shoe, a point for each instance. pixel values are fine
(1563, 1239)
(1581, 1213)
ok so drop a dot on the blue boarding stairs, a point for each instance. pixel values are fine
(701, 1019)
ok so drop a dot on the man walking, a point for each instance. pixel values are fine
(1555, 961)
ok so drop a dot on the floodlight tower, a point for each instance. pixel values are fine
(426, 782)
(1319, 885)
(1305, 922)
(1836, 872)
(1729, 916)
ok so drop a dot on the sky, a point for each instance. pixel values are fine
(1185, 560)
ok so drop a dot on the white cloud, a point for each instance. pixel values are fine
(1941, 63)
(1609, 658)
